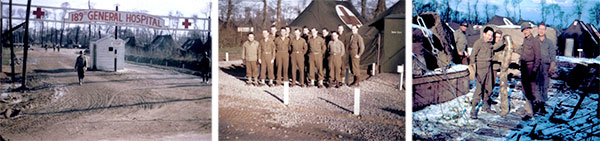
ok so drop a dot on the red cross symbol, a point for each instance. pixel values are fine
(349, 19)
(186, 23)
(38, 13)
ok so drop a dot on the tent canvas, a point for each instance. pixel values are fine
(322, 14)
(391, 27)
(165, 44)
(582, 38)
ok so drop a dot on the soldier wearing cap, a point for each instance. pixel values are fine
(81, 66)
(266, 58)
(548, 58)
(530, 62)
(336, 51)
(299, 48)
(249, 58)
(317, 48)
(273, 32)
(356, 49)
(282, 48)
(461, 43)
(482, 57)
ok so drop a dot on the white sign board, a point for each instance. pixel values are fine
(115, 17)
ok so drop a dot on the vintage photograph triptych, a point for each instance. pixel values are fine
(388, 70)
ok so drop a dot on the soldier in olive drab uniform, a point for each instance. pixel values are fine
(530, 60)
(266, 58)
(282, 48)
(249, 57)
(345, 38)
(326, 62)
(81, 66)
(317, 48)
(461, 43)
(356, 49)
(482, 57)
(273, 32)
(336, 51)
(299, 48)
(548, 58)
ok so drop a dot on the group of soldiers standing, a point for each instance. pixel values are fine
(334, 49)
(537, 62)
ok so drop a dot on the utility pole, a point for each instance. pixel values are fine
(26, 46)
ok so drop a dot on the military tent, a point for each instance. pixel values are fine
(164, 45)
(391, 30)
(329, 14)
(582, 39)
(499, 20)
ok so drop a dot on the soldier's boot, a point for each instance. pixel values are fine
(311, 82)
(261, 82)
(255, 82)
(320, 84)
(249, 82)
(474, 111)
(80, 82)
(487, 109)
(355, 83)
(271, 83)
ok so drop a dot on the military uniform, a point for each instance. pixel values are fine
(530, 62)
(461, 45)
(336, 51)
(299, 48)
(267, 57)
(548, 56)
(356, 47)
(345, 38)
(81, 66)
(250, 56)
(282, 48)
(315, 59)
(482, 58)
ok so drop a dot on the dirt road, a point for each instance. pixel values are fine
(258, 113)
(137, 103)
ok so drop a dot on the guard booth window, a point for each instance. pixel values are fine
(110, 48)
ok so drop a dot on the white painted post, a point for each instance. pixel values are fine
(226, 56)
(401, 71)
(357, 101)
(373, 69)
(286, 93)
(579, 52)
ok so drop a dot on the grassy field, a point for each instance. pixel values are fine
(235, 53)
(6, 54)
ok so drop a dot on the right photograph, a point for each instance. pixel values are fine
(506, 70)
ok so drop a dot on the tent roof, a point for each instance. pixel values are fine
(499, 20)
(583, 39)
(394, 12)
(322, 14)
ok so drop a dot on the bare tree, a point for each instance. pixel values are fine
(506, 4)
(363, 7)
(279, 13)
(476, 13)
(487, 9)
(555, 9)
(517, 4)
(544, 10)
(63, 5)
(595, 14)
(579, 5)
(380, 8)
(456, 10)
(265, 20)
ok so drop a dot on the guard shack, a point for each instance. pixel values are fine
(108, 54)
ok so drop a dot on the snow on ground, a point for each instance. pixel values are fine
(450, 120)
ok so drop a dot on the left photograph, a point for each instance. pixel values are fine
(105, 70)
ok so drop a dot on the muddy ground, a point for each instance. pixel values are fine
(258, 113)
(137, 103)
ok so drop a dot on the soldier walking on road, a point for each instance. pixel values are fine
(81, 66)
(249, 58)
